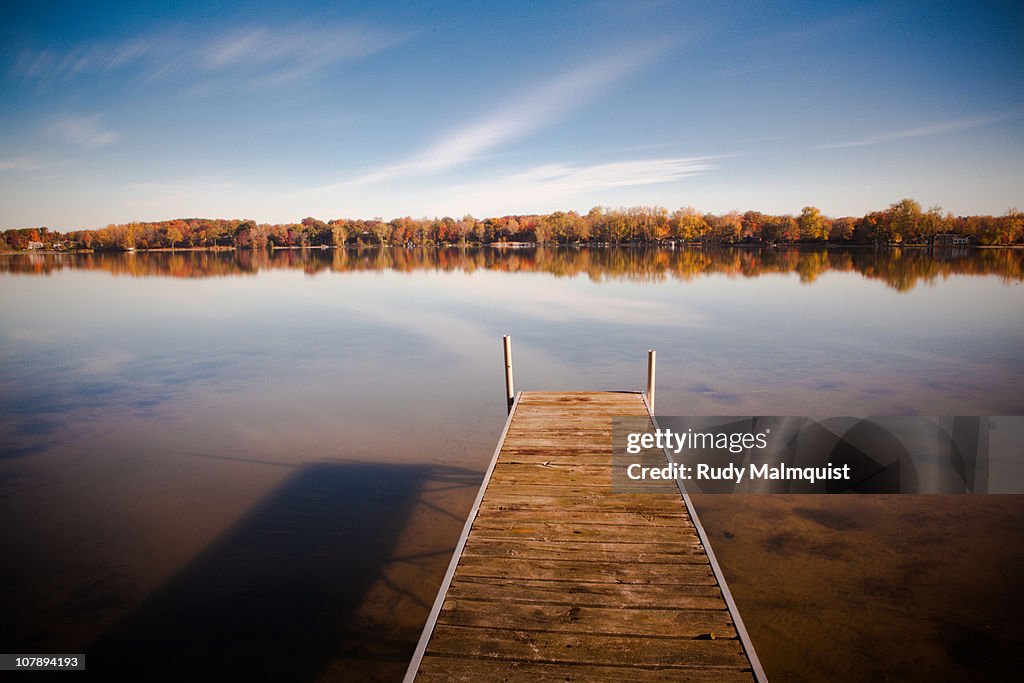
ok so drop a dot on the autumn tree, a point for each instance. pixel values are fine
(173, 235)
(688, 225)
(812, 225)
(1012, 228)
(868, 228)
(771, 229)
(244, 235)
(904, 222)
(751, 224)
(932, 222)
(127, 236)
(842, 229)
(724, 229)
(467, 229)
(789, 228)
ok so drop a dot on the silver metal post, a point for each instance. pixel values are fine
(650, 378)
(510, 393)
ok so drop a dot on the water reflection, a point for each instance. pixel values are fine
(188, 432)
(901, 269)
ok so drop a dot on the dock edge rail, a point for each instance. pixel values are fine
(442, 593)
(734, 612)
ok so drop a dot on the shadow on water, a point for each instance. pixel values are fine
(274, 597)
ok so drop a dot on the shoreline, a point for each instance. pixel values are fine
(519, 245)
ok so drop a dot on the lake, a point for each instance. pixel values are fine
(262, 461)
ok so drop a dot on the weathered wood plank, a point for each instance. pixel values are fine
(564, 424)
(593, 414)
(512, 477)
(442, 668)
(529, 492)
(534, 441)
(596, 406)
(649, 517)
(514, 518)
(542, 499)
(691, 553)
(579, 533)
(563, 592)
(555, 471)
(587, 571)
(570, 420)
(582, 408)
(666, 623)
(587, 649)
(569, 396)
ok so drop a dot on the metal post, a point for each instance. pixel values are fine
(510, 393)
(650, 378)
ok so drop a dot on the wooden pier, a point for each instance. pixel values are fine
(556, 577)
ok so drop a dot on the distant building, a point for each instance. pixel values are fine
(951, 239)
(34, 245)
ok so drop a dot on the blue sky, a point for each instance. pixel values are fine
(115, 112)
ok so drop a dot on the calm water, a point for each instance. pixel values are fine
(265, 460)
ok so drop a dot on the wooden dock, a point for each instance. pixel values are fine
(557, 578)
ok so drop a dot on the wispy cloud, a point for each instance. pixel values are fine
(528, 111)
(283, 54)
(84, 131)
(262, 55)
(555, 182)
(826, 27)
(24, 164)
(60, 64)
(238, 45)
(206, 183)
(922, 131)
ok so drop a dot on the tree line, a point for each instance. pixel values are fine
(902, 223)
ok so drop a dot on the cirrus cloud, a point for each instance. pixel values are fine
(84, 131)
(248, 54)
(551, 183)
(530, 110)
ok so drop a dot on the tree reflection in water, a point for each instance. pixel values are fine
(901, 269)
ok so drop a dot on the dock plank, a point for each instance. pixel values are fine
(544, 646)
(442, 669)
(580, 533)
(587, 570)
(602, 552)
(674, 623)
(564, 592)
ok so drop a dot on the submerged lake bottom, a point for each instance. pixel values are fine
(253, 465)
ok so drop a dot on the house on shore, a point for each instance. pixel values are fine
(952, 239)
